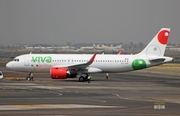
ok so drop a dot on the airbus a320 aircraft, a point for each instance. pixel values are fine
(62, 66)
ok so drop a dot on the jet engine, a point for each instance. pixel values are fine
(59, 73)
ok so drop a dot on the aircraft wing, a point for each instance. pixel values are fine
(78, 66)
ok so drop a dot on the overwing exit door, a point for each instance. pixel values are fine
(26, 61)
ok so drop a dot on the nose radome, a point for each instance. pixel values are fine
(8, 65)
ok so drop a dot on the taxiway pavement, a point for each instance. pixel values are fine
(129, 94)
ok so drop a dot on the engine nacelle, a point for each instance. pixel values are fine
(59, 73)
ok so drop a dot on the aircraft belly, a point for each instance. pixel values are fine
(115, 68)
(30, 69)
(21, 69)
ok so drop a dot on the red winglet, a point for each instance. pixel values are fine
(92, 59)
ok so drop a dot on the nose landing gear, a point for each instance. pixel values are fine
(29, 77)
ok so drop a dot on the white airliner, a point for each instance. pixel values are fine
(62, 66)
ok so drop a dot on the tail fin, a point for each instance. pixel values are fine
(157, 46)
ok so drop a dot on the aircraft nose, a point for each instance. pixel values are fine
(9, 65)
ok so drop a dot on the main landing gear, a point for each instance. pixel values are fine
(83, 78)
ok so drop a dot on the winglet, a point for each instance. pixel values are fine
(93, 57)
(120, 52)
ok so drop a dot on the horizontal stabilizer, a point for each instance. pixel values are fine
(158, 60)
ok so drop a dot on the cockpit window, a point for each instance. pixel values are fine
(17, 60)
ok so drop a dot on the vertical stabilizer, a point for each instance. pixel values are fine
(157, 46)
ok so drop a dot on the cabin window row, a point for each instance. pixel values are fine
(84, 60)
(87, 60)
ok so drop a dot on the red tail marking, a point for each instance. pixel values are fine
(163, 36)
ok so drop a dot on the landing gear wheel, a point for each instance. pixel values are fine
(81, 79)
(28, 78)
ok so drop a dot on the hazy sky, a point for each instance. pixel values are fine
(89, 21)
